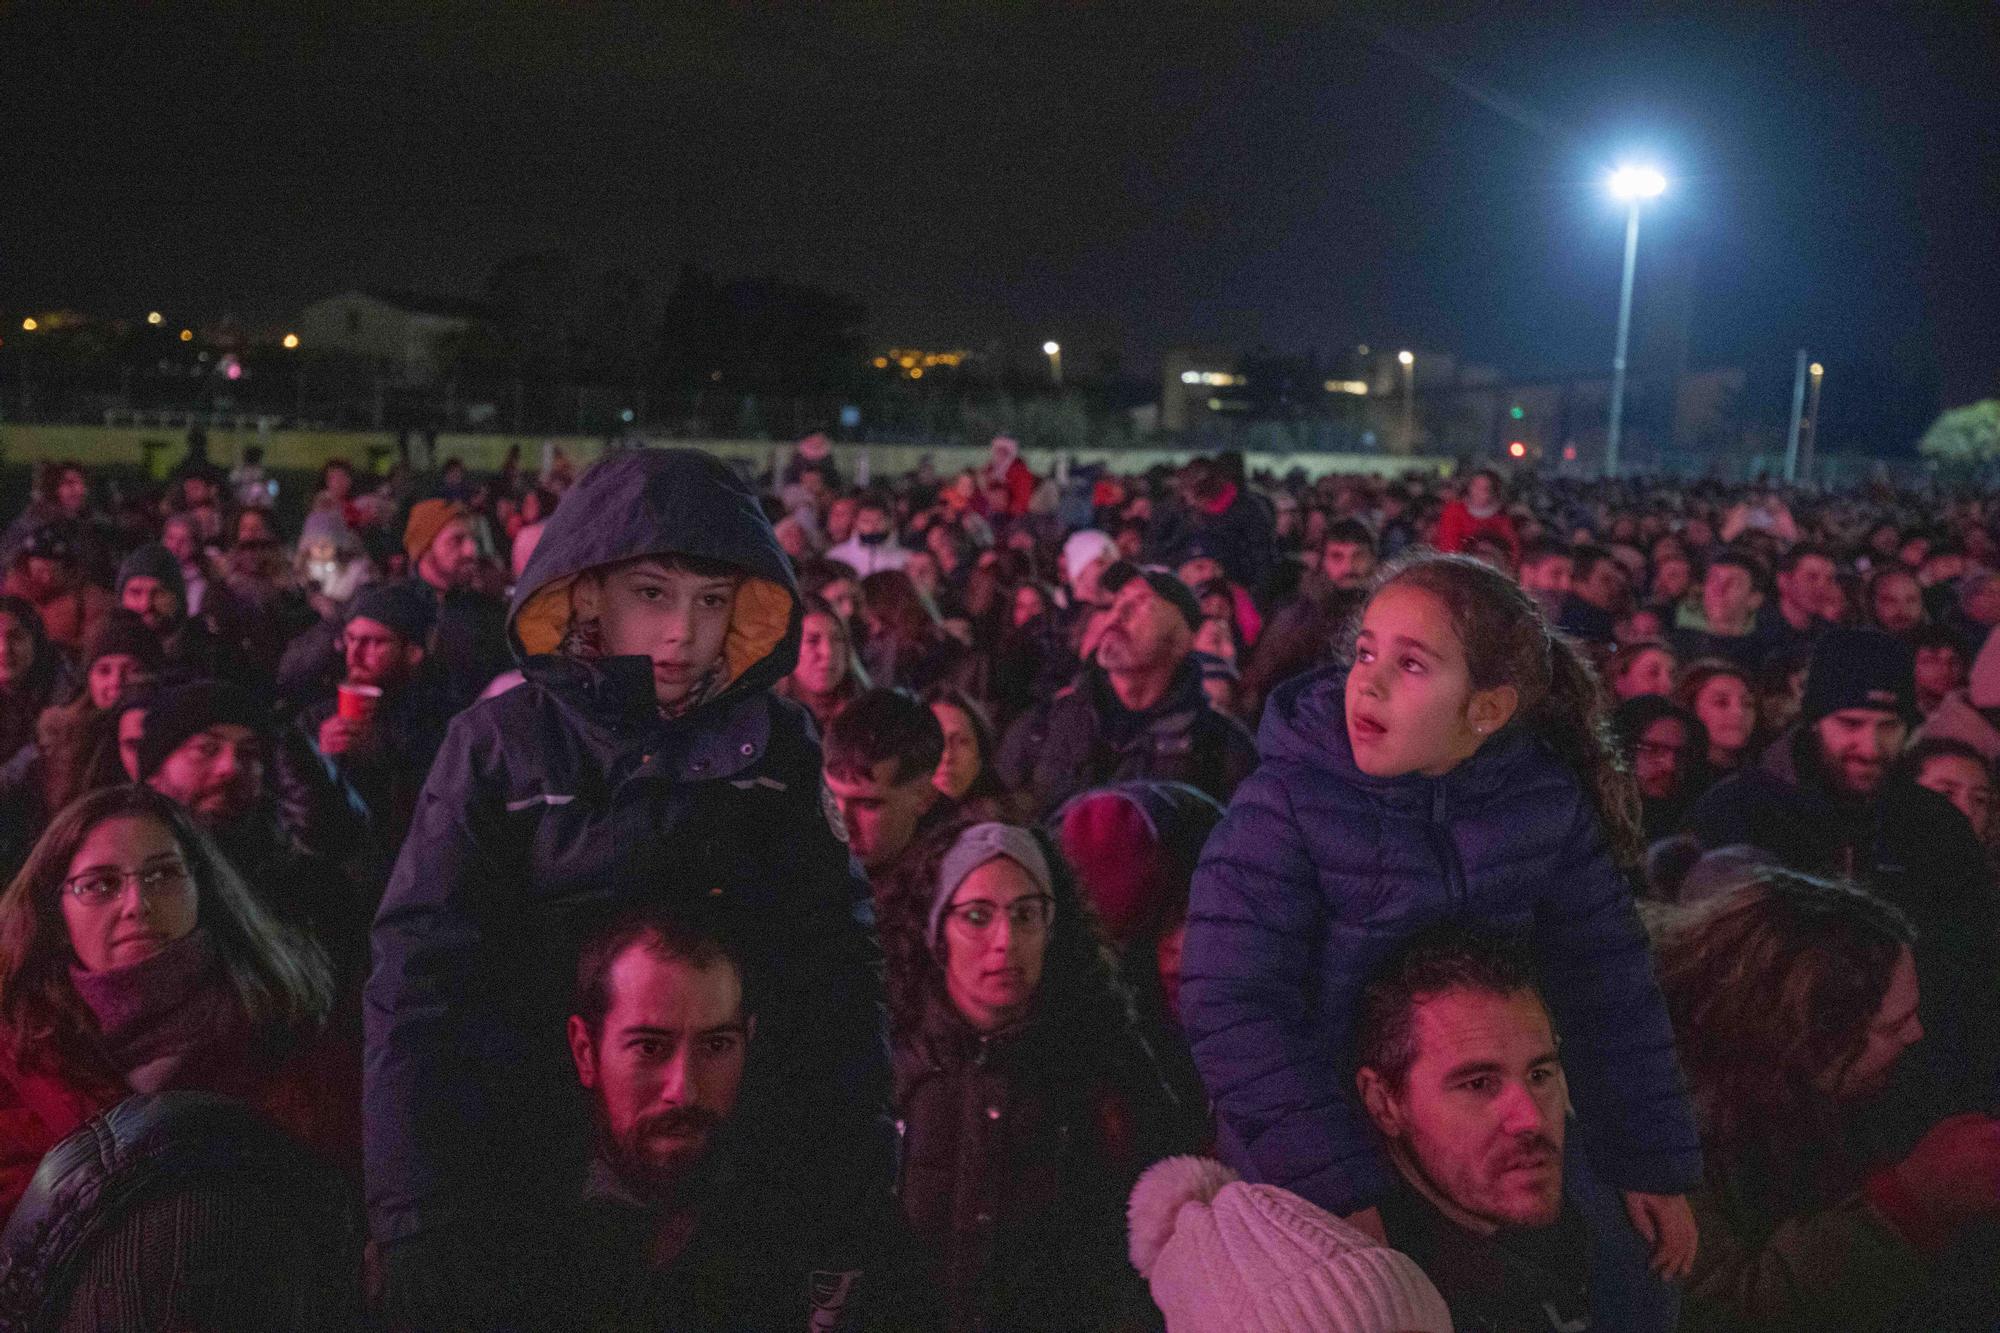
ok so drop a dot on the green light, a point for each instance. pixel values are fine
(1516, 413)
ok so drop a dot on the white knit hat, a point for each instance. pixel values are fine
(1222, 1255)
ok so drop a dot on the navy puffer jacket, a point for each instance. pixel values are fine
(1316, 874)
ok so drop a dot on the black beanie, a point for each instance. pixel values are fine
(154, 561)
(123, 631)
(1860, 668)
(189, 710)
(407, 606)
(1171, 589)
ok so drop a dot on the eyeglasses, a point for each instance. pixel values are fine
(1653, 751)
(98, 887)
(1031, 913)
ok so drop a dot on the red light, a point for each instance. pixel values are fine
(1569, 453)
(1517, 449)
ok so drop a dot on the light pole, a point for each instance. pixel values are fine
(1818, 372)
(1408, 360)
(1053, 350)
(1632, 185)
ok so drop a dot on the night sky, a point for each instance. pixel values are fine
(1123, 178)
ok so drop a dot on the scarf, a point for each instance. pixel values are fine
(169, 1018)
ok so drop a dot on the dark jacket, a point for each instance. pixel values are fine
(408, 730)
(571, 796)
(1317, 873)
(1912, 848)
(1019, 1150)
(1084, 738)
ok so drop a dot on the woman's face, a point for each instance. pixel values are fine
(110, 675)
(1725, 708)
(1215, 639)
(151, 904)
(995, 937)
(1965, 784)
(822, 655)
(1651, 671)
(1027, 604)
(958, 769)
(17, 651)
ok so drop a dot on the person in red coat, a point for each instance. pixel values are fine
(134, 960)
(1481, 512)
(1010, 485)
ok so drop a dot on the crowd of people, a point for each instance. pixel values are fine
(666, 896)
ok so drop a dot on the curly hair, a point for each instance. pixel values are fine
(1079, 977)
(1507, 641)
(282, 977)
(1772, 988)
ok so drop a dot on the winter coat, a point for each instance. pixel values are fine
(1790, 1245)
(1912, 848)
(570, 796)
(1459, 527)
(1019, 1150)
(1319, 871)
(313, 1095)
(1065, 746)
(1238, 527)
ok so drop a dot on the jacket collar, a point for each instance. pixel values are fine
(613, 701)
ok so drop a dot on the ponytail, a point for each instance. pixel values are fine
(1562, 701)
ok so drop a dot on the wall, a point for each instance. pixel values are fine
(161, 448)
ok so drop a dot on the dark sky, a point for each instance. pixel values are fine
(1120, 177)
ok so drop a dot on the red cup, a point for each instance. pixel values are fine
(358, 703)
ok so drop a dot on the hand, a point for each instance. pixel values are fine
(1667, 1223)
(1370, 1221)
(1950, 1178)
(340, 735)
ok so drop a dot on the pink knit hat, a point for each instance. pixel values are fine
(1225, 1257)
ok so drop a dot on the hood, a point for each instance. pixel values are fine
(665, 502)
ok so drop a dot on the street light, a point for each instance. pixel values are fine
(1817, 371)
(1409, 364)
(291, 341)
(154, 317)
(1632, 185)
(1053, 350)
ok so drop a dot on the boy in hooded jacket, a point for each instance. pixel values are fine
(644, 758)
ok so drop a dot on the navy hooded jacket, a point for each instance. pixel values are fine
(1319, 871)
(557, 803)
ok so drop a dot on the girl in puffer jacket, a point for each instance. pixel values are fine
(1457, 767)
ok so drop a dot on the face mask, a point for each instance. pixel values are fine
(873, 538)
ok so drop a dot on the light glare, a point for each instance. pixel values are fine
(1636, 182)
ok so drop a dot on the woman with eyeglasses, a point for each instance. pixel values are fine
(134, 960)
(1027, 1101)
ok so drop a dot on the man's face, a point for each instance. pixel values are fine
(1728, 597)
(1966, 784)
(453, 559)
(46, 576)
(676, 617)
(178, 536)
(72, 492)
(1550, 575)
(1940, 670)
(881, 814)
(110, 675)
(840, 519)
(1604, 587)
(871, 523)
(1660, 758)
(1346, 564)
(378, 655)
(1480, 494)
(1898, 602)
(217, 774)
(1477, 1126)
(152, 601)
(666, 1064)
(1146, 631)
(1857, 746)
(1809, 587)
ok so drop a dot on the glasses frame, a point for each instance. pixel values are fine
(1043, 917)
(159, 874)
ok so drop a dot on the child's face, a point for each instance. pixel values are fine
(1411, 707)
(677, 618)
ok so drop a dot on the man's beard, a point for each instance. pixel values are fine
(646, 1176)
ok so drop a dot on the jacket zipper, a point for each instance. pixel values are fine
(1455, 892)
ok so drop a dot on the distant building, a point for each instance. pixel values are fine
(413, 336)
